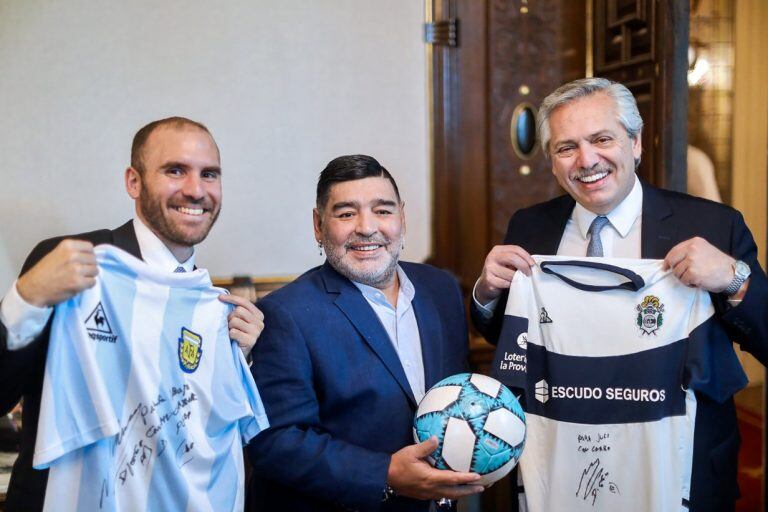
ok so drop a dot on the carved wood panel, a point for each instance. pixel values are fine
(643, 44)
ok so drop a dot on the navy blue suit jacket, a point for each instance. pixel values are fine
(338, 400)
(669, 218)
(21, 375)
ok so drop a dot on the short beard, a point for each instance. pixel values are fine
(153, 214)
(378, 278)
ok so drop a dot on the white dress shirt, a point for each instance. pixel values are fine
(402, 328)
(24, 322)
(620, 237)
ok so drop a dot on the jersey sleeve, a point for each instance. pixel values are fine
(510, 360)
(249, 425)
(711, 365)
(76, 409)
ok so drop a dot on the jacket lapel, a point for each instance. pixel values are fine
(657, 233)
(545, 236)
(359, 313)
(124, 237)
(430, 333)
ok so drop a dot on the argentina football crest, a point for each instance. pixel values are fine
(190, 350)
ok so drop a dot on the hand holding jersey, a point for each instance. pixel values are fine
(499, 269)
(695, 262)
(245, 322)
(698, 263)
(68, 269)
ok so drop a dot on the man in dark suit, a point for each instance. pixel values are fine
(347, 351)
(175, 181)
(591, 130)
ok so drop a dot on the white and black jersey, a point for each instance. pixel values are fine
(608, 353)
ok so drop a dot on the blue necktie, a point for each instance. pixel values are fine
(595, 247)
(179, 270)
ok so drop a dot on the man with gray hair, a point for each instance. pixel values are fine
(591, 131)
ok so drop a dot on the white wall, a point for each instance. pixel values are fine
(284, 85)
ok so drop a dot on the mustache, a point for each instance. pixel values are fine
(202, 203)
(583, 172)
(373, 239)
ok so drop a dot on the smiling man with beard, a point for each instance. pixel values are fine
(591, 131)
(348, 350)
(175, 181)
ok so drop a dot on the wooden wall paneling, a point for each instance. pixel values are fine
(459, 165)
(531, 52)
(508, 53)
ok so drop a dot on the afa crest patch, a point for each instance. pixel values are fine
(650, 315)
(190, 350)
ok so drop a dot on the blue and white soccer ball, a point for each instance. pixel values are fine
(478, 422)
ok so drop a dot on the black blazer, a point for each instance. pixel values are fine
(669, 218)
(21, 376)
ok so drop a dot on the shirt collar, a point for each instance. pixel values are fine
(621, 218)
(375, 295)
(155, 253)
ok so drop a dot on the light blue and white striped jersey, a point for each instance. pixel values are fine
(146, 402)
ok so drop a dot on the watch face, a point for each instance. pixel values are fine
(741, 269)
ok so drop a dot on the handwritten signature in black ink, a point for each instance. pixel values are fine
(594, 479)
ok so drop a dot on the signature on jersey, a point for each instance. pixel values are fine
(594, 479)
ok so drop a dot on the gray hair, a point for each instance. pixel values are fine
(626, 106)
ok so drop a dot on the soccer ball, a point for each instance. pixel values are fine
(478, 422)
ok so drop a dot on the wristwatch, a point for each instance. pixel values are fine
(741, 272)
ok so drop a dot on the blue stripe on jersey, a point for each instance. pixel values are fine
(118, 293)
(75, 416)
(713, 367)
(632, 388)
(168, 488)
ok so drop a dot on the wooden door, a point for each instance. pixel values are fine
(506, 55)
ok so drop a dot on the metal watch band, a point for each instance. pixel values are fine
(741, 274)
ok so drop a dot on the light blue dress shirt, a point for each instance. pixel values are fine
(402, 328)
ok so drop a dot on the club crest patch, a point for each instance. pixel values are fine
(650, 315)
(190, 350)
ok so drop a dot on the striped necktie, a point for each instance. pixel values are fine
(179, 270)
(595, 247)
